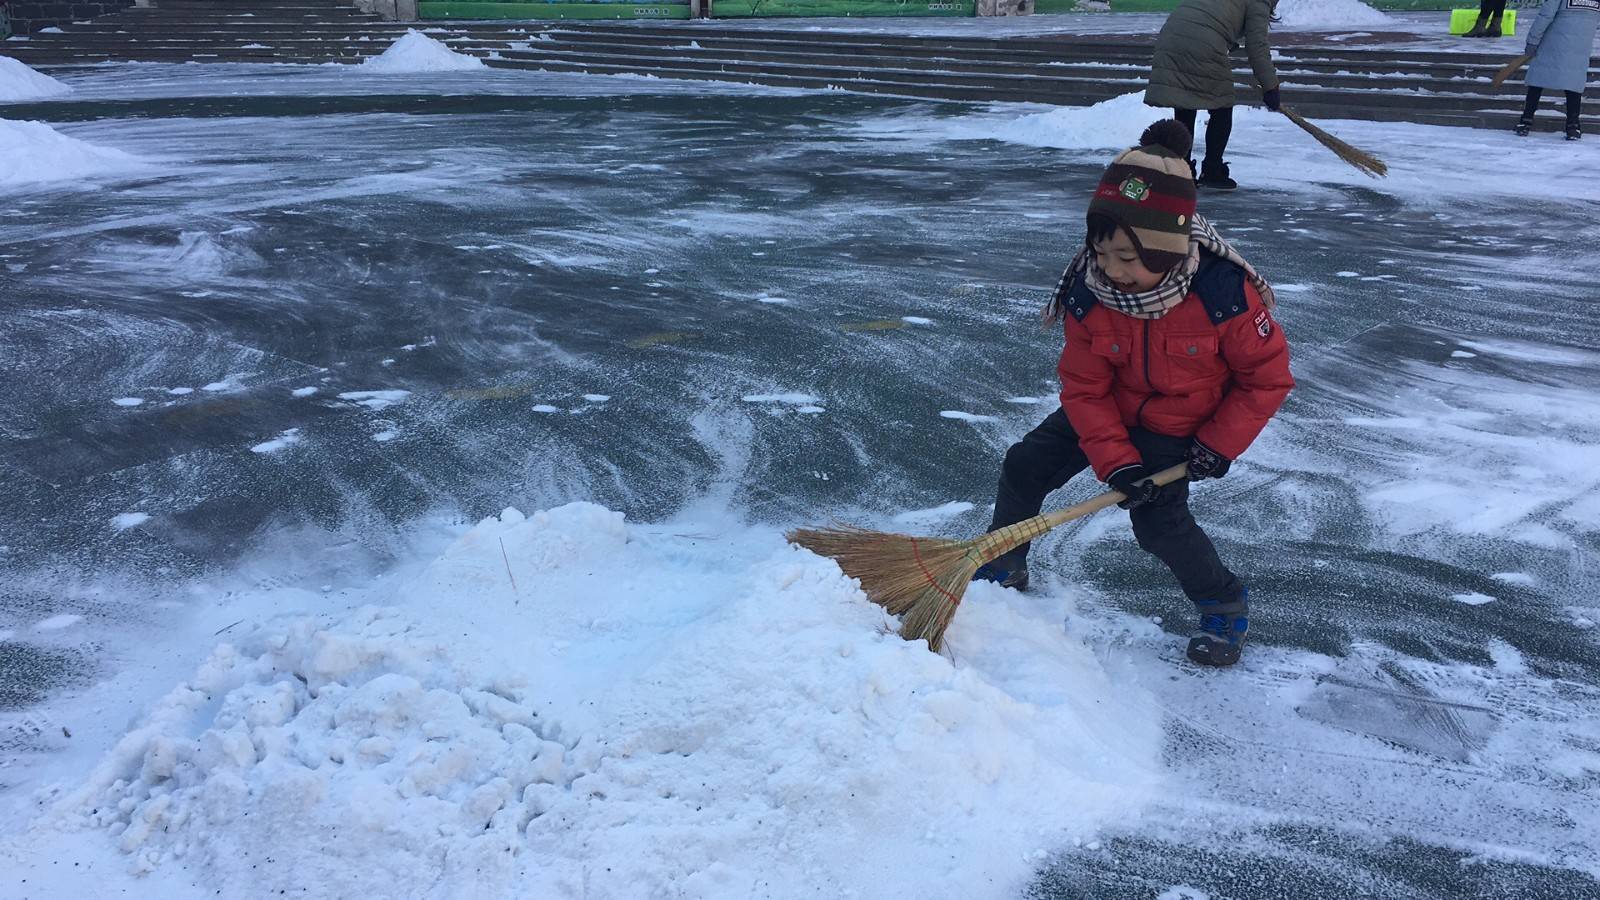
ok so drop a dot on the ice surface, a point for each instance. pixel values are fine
(299, 249)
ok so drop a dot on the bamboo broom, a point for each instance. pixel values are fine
(923, 579)
(1361, 159)
(1508, 70)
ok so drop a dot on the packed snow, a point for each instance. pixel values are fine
(416, 53)
(20, 82)
(1313, 14)
(565, 704)
(37, 154)
(1268, 149)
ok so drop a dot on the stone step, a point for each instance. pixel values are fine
(1000, 86)
(1292, 75)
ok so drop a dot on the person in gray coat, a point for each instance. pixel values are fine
(1560, 42)
(1191, 70)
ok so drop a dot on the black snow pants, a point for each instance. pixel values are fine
(1047, 458)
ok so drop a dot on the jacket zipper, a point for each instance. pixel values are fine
(1138, 415)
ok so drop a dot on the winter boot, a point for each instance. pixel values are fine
(1479, 27)
(1194, 174)
(1215, 177)
(999, 573)
(1574, 132)
(1523, 126)
(1492, 30)
(1220, 638)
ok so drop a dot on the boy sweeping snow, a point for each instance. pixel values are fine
(1560, 42)
(1172, 356)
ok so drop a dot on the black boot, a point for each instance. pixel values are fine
(1215, 177)
(1492, 30)
(1523, 125)
(1574, 132)
(1478, 27)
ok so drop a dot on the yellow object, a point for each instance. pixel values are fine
(1462, 20)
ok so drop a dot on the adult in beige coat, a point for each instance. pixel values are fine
(1191, 70)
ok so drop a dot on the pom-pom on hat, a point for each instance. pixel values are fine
(1149, 190)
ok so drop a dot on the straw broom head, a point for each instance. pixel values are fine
(1361, 159)
(921, 579)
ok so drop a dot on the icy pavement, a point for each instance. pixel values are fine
(338, 319)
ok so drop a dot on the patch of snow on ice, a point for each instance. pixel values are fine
(124, 521)
(285, 439)
(416, 53)
(180, 391)
(545, 408)
(792, 399)
(386, 435)
(375, 399)
(1520, 579)
(597, 398)
(57, 622)
(303, 392)
(916, 320)
(965, 416)
(128, 401)
(1472, 598)
(934, 514)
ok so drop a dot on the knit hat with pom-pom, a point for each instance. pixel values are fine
(1149, 191)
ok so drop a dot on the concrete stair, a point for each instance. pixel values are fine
(1321, 82)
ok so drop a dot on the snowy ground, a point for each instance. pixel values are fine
(263, 624)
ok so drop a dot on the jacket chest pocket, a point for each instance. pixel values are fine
(1116, 350)
(1191, 360)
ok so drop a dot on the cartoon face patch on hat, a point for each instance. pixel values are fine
(1135, 188)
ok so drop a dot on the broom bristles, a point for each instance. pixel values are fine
(1359, 158)
(920, 579)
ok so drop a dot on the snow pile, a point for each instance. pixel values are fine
(19, 82)
(1113, 124)
(415, 52)
(35, 153)
(1328, 14)
(564, 705)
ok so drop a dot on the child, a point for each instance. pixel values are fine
(1559, 42)
(1172, 356)
(1191, 71)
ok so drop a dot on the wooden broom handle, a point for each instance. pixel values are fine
(996, 543)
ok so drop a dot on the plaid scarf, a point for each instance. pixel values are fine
(1156, 302)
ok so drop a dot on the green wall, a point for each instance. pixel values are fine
(737, 9)
(496, 9)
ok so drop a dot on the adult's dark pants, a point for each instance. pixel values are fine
(1219, 127)
(1574, 104)
(1047, 458)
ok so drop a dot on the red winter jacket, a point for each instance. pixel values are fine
(1215, 367)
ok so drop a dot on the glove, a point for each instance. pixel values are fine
(1133, 482)
(1205, 462)
(1273, 99)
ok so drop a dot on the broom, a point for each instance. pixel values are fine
(1361, 159)
(922, 579)
(1508, 70)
